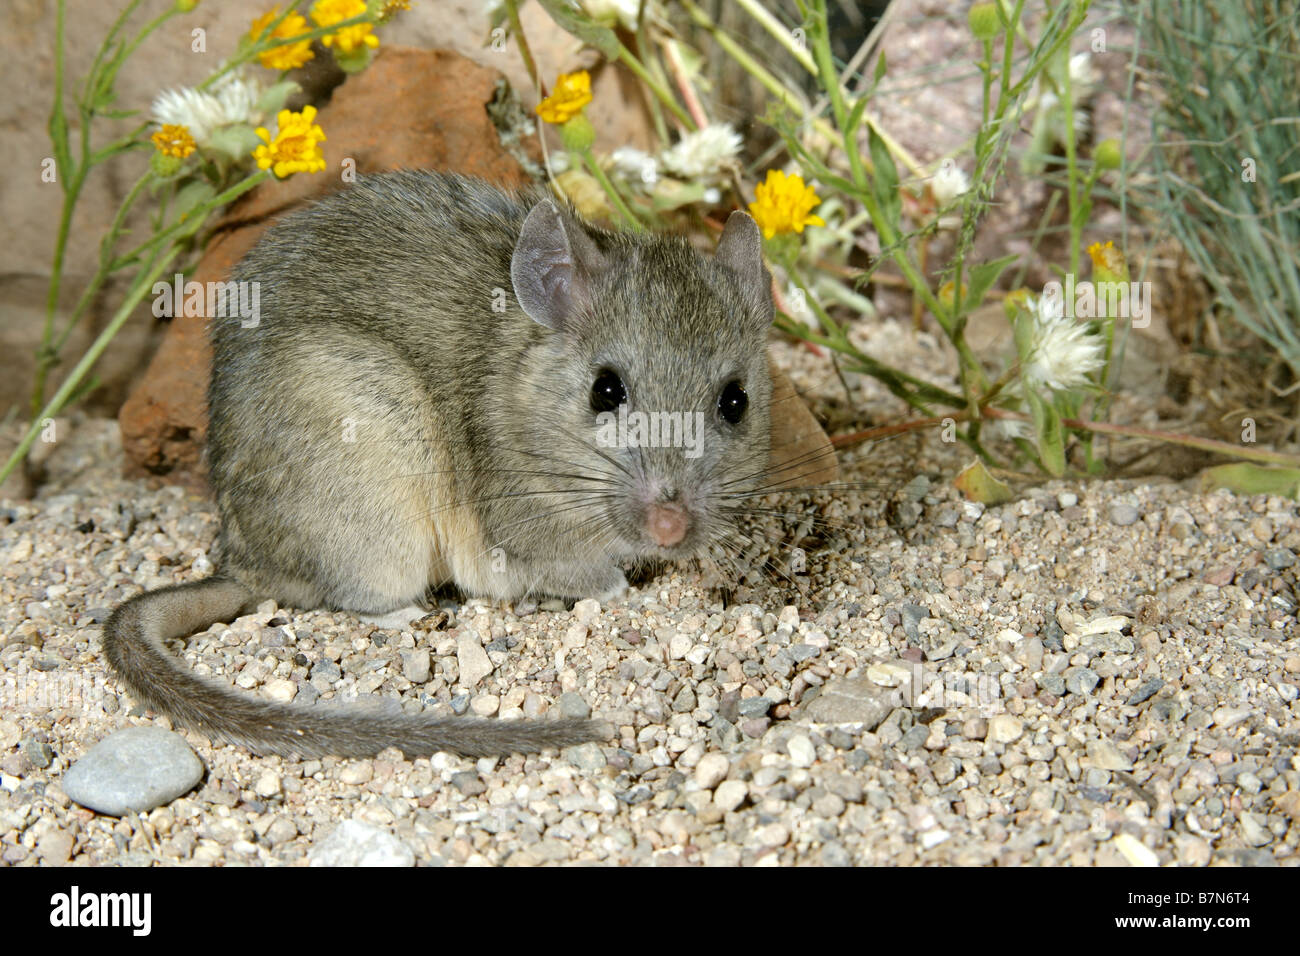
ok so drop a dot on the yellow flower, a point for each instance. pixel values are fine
(946, 297)
(390, 8)
(325, 13)
(291, 55)
(572, 92)
(174, 141)
(1108, 263)
(783, 204)
(1014, 302)
(296, 146)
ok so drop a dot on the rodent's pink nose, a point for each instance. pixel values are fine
(667, 524)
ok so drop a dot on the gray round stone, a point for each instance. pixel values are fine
(1123, 514)
(1279, 559)
(1081, 680)
(135, 769)
(572, 705)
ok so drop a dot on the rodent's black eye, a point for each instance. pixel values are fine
(607, 392)
(732, 402)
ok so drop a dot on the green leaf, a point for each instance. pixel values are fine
(880, 70)
(273, 99)
(1246, 478)
(1083, 211)
(236, 143)
(82, 390)
(190, 196)
(978, 484)
(885, 181)
(572, 21)
(982, 278)
(1051, 437)
(1023, 328)
(855, 115)
(672, 194)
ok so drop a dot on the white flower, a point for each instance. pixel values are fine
(1007, 429)
(635, 166)
(1063, 352)
(559, 162)
(607, 11)
(702, 154)
(1083, 77)
(1049, 107)
(948, 183)
(233, 99)
(238, 95)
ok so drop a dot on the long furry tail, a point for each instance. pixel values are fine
(133, 639)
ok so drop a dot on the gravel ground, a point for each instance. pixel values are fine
(1102, 673)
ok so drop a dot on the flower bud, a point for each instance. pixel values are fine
(1108, 155)
(578, 134)
(164, 165)
(984, 21)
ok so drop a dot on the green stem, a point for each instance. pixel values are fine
(1008, 51)
(615, 199)
(139, 287)
(628, 58)
(746, 62)
(92, 79)
(830, 80)
(778, 32)
(1071, 167)
(190, 224)
(144, 281)
(71, 177)
(103, 270)
(517, 28)
(986, 68)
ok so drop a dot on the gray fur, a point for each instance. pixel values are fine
(473, 459)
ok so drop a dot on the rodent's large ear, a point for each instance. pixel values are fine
(552, 267)
(740, 252)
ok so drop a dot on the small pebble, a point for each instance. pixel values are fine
(1226, 717)
(268, 784)
(801, 750)
(712, 770)
(1145, 691)
(1081, 680)
(473, 661)
(730, 794)
(1123, 514)
(572, 705)
(1005, 729)
(1279, 559)
(416, 665)
(1134, 850)
(469, 783)
(353, 843)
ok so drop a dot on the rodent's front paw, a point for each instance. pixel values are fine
(615, 589)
